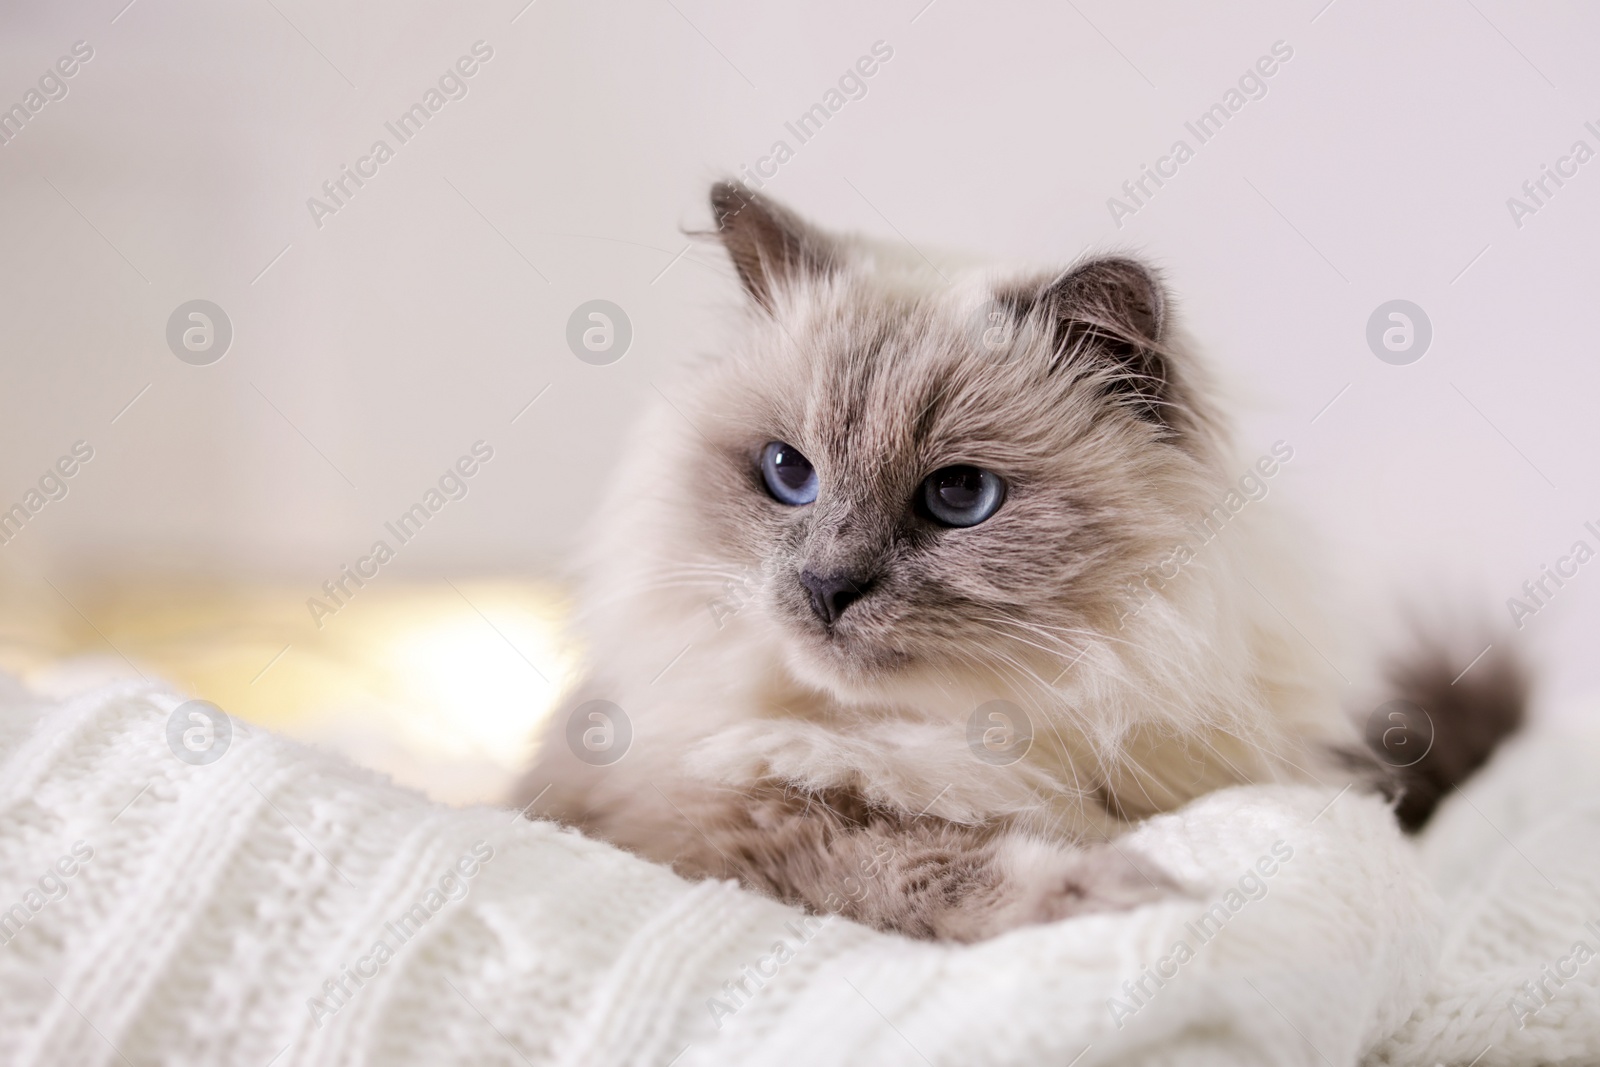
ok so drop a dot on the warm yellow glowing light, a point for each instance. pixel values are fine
(442, 686)
(486, 685)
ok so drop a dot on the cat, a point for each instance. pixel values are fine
(883, 608)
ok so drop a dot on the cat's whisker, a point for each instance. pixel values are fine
(1027, 673)
(1095, 635)
(1136, 771)
(1055, 649)
(1137, 685)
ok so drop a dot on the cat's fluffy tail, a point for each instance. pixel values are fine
(1441, 723)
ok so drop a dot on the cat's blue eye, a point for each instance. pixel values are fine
(962, 496)
(790, 477)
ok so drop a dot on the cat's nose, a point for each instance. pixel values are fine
(831, 594)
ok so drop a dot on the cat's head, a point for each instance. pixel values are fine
(938, 481)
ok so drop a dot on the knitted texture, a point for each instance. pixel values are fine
(1516, 860)
(279, 906)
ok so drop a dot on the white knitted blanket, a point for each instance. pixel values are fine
(278, 906)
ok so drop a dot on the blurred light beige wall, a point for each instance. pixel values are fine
(374, 345)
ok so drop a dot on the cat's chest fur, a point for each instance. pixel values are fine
(735, 720)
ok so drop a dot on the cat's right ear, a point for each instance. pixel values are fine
(769, 244)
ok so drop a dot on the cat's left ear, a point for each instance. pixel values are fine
(770, 245)
(1115, 310)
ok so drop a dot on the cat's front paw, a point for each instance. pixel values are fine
(1040, 882)
(1044, 882)
(1098, 878)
